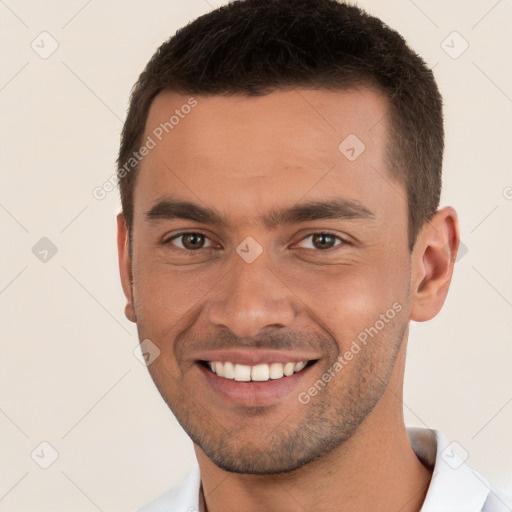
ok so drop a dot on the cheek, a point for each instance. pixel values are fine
(167, 298)
(346, 299)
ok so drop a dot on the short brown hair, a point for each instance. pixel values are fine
(252, 47)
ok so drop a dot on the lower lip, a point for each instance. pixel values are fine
(254, 394)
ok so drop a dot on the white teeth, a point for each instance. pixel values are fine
(242, 373)
(276, 371)
(228, 370)
(288, 369)
(258, 373)
(299, 366)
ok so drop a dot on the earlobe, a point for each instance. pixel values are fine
(433, 260)
(125, 266)
(129, 312)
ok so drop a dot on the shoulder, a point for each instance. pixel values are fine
(498, 500)
(455, 486)
(182, 498)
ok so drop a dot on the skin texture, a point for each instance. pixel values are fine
(347, 448)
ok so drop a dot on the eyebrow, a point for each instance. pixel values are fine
(337, 208)
(169, 208)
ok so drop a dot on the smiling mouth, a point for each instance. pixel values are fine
(256, 373)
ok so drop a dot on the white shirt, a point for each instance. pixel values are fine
(454, 487)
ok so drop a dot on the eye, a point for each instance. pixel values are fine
(321, 241)
(191, 241)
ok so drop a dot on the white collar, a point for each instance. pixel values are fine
(454, 487)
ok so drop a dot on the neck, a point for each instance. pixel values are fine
(377, 465)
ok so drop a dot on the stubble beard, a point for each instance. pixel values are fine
(327, 422)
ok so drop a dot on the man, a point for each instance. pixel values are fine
(280, 175)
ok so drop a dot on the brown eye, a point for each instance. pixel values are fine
(321, 241)
(191, 241)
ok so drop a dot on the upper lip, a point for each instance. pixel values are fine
(255, 356)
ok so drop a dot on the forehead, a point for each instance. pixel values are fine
(246, 153)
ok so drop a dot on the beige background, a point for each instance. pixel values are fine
(68, 375)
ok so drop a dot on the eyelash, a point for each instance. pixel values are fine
(192, 251)
(184, 233)
(326, 233)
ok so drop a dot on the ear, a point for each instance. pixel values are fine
(433, 259)
(125, 266)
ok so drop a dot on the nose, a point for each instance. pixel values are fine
(250, 299)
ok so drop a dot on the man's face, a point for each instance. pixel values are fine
(308, 250)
